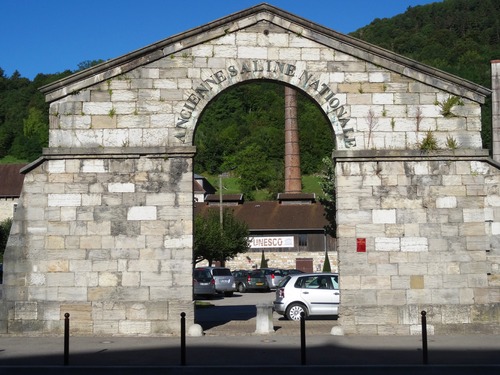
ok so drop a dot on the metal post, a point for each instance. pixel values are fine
(302, 338)
(66, 339)
(424, 338)
(183, 338)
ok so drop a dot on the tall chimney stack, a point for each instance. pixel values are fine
(495, 108)
(293, 180)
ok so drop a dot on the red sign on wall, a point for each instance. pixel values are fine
(361, 245)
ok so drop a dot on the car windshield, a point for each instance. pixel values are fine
(222, 272)
(202, 274)
(284, 281)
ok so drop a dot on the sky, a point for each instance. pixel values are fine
(51, 36)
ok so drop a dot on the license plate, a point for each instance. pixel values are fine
(259, 284)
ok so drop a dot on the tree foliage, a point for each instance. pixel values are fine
(328, 199)
(326, 264)
(215, 243)
(4, 235)
(242, 130)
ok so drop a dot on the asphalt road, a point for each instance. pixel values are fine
(239, 307)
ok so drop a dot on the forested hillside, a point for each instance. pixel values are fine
(242, 130)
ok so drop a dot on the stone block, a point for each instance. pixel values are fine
(375, 282)
(359, 298)
(445, 296)
(384, 216)
(377, 315)
(412, 269)
(414, 244)
(391, 297)
(400, 282)
(417, 282)
(387, 244)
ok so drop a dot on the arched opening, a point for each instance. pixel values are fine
(241, 135)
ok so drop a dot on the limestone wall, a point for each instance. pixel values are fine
(107, 241)
(104, 224)
(7, 208)
(431, 225)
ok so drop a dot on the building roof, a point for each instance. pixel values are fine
(251, 16)
(275, 216)
(11, 180)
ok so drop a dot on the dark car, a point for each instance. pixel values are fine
(250, 280)
(203, 283)
(291, 272)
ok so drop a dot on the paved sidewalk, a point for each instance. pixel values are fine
(235, 347)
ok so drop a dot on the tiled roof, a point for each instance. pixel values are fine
(11, 181)
(272, 215)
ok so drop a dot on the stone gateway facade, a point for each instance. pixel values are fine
(104, 225)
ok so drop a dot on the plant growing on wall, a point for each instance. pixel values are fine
(429, 142)
(372, 122)
(448, 104)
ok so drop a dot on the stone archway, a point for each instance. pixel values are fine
(103, 229)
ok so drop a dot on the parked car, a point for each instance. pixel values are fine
(311, 293)
(250, 280)
(291, 272)
(203, 283)
(224, 280)
(273, 276)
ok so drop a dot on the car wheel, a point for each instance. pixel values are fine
(241, 288)
(294, 310)
(228, 294)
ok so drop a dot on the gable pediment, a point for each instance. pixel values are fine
(270, 20)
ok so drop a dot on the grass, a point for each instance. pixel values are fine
(230, 185)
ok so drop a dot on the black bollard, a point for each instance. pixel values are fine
(302, 338)
(183, 339)
(424, 338)
(66, 339)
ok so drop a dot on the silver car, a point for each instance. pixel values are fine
(311, 293)
(273, 276)
(224, 279)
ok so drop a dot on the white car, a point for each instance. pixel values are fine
(311, 293)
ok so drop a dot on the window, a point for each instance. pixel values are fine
(14, 208)
(302, 239)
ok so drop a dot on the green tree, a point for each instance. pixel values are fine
(4, 235)
(213, 243)
(263, 261)
(326, 263)
(36, 126)
(253, 167)
(328, 199)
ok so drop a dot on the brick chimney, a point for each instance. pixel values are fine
(293, 180)
(495, 108)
